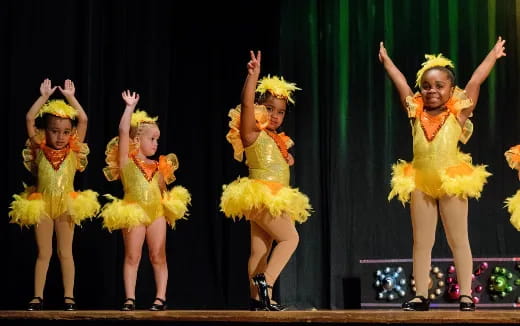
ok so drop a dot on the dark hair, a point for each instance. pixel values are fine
(43, 122)
(261, 98)
(447, 69)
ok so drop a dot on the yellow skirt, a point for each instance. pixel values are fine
(244, 195)
(513, 207)
(121, 214)
(463, 180)
(28, 207)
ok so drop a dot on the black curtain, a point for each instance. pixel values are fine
(187, 61)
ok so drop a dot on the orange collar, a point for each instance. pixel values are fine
(55, 156)
(431, 124)
(148, 169)
(278, 139)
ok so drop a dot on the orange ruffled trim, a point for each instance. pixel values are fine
(112, 171)
(432, 124)
(513, 157)
(262, 120)
(55, 157)
(168, 164)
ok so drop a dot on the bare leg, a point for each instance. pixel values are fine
(261, 244)
(454, 214)
(156, 240)
(43, 233)
(64, 236)
(133, 239)
(423, 209)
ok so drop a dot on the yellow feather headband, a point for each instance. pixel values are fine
(278, 87)
(139, 117)
(432, 60)
(58, 108)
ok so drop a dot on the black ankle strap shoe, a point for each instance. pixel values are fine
(35, 306)
(423, 305)
(69, 306)
(128, 306)
(466, 306)
(158, 306)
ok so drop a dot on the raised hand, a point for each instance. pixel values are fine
(130, 98)
(499, 48)
(253, 66)
(68, 89)
(383, 55)
(46, 88)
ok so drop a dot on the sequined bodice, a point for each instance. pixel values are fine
(265, 161)
(53, 181)
(137, 188)
(442, 151)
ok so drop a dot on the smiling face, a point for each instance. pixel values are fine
(436, 88)
(149, 139)
(57, 132)
(276, 108)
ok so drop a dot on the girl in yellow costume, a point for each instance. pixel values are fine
(53, 155)
(513, 203)
(440, 178)
(147, 204)
(264, 198)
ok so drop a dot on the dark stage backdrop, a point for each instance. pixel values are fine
(187, 61)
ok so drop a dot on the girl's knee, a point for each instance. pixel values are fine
(157, 258)
(132, 258)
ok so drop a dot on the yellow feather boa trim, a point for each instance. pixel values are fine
(403, 181)
(464, 185)
(175, 204)
(513, 207)
(28, 207)
(119, 214)
(244, 195)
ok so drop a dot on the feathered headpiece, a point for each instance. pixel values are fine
(139, 117)
(58, 108)
(432, 60)
(278, 87)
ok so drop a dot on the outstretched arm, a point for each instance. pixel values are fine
(131, 99)
(248, 129)
(68, 91)
(46, 90)
(395, 75)
(481, 73)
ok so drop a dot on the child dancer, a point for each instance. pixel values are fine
(147, 205)
(264, 198)
(53, 154)
(513, 203)
(440, 178)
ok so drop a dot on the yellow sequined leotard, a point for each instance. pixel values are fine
(268, 183)
(54, 193)
(143, 200)
(438, 167)
(513, 203)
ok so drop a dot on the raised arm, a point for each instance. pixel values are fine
(68, 92)
(248, 129)
(131, 99)
(395, 75)
(481, 73)
(46, 91)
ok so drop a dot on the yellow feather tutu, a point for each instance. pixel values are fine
(465, 185)
(513, 207)
(122, 215)
(83, 205)
(24, 211)
(244, 195)
(176, 203)
(403, 181)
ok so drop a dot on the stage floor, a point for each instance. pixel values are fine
(239, 317)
